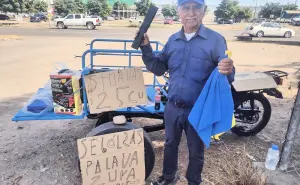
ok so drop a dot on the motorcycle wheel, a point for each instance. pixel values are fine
(265, 118)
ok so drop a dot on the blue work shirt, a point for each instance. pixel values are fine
(189, 63)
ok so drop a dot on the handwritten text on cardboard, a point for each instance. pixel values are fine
(116, 89)
(113, 159)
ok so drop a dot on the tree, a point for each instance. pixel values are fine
(80, 7)
(29, 5)
(106, 9)
(228, 9)
(290, 7)
(15, 6)
(6, 6)
(120, 5)
(93, 7)
(40, 6)
(142, 6)
(98, 7)
(169, 11)
(244, 13)
(270, 9)
(64, 7)
(275, 9)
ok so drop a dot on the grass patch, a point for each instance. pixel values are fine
(231, 166)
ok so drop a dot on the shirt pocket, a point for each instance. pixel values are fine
(176, 57)
(200, 66)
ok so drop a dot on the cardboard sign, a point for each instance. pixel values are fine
(113, 159)
(112, 90)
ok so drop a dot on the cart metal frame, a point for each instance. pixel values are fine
(129, 112)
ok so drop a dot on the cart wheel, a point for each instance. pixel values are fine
(110, 127)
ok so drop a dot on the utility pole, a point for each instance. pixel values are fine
(296, 1)
(290, 135)
(254, 15)
(281, 13)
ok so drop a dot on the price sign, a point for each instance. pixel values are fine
(112, 90)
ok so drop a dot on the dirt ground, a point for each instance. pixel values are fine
(45, 152)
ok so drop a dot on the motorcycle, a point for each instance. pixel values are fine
(252, 109)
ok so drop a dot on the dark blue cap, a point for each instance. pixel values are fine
(180, 2)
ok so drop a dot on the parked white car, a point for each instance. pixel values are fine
(135, 20)
(283, 20)
(270, 29)
(296, 20)
(110, 18)
(77, 20)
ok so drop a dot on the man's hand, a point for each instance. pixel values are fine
(225, 66)
(145, 40)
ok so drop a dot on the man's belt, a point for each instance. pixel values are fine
(181, 104)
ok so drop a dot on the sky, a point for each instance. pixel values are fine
(242, 2)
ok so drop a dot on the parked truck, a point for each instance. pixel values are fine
(77, 20)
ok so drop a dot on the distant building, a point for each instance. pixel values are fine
(131, 12)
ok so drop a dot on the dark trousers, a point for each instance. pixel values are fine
(176, 120)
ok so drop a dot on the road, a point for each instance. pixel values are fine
(122, 33)
(161, 34)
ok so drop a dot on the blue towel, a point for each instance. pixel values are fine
(37, 106)
(213, 110)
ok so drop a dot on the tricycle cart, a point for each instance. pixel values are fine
(251, 114)
(104, 124)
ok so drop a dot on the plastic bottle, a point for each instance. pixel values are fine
(157, 100)
(272, 157)
(157, 90)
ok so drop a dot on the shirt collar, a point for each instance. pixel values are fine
(202, 32)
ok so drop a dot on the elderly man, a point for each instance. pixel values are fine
(190, 56)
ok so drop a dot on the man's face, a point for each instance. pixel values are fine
(191, 14)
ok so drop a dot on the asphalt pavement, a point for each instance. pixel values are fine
(100, 32)
(160, 34)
